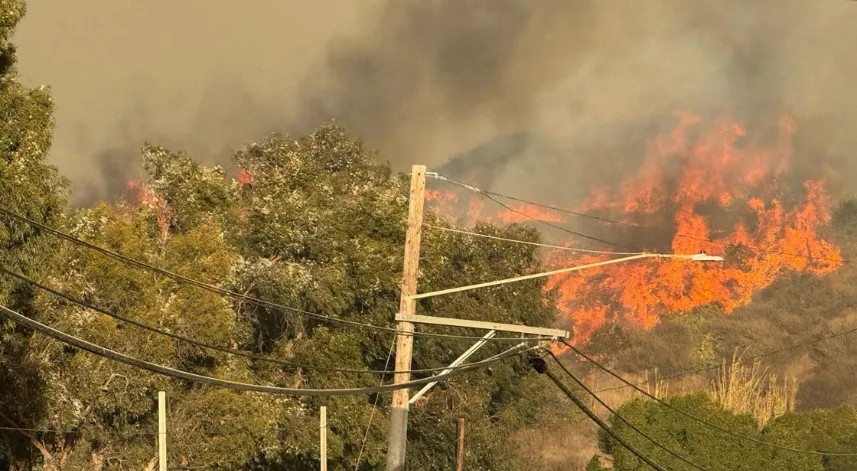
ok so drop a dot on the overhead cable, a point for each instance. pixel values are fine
(695, 418)
(555, 226)
(192, 377)
(493, 195)
(526, 242)
(230, 351)
(540, 366)
(620, 417)
(521, 213)
(224, 292)
(755, 357)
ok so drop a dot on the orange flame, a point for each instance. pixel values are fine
(245, 177)
(678, 175)
(141, 195)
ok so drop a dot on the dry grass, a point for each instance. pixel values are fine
(656, 386)
(746, 388)
(558, 447)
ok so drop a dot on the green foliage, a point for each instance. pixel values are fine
(831, 430)
(321, 228)
(29, 186)
(595, 465)
(192, 192)
(11, 12)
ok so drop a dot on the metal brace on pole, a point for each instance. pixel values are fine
(458, 361)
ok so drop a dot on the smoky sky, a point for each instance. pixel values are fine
(535, 98)
(422, 81)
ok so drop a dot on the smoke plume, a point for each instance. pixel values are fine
(537, 98)
(426, 80)
(595, 79)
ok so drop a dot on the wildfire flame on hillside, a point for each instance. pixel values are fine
(681, 184)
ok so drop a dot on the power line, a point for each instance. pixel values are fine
(540, 366)
(521, 213)
(756, 357)
(44, 430)
(230, 351)
(244, 297)
(693, 417)
(187, 376)
(555, 226)
(374, 408)
(493, 195)
(620, 417)
(525, 242)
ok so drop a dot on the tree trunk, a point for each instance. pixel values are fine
(47, 457)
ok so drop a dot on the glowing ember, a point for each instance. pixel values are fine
(245, 177)
(141, 195)
(678, 177)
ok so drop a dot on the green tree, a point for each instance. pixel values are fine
(107, 410)
(320, 227)
(324, 230)
(29, 186)
(830, 430)
(702, 445)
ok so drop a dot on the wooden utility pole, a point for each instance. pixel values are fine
(459, 455)
(323, 437)
(398, 434)
(162, 431)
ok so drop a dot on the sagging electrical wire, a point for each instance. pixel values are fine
(492, 195)
(236, 386)
(538, 364)
(224, 292)
(230, 351)
(620, 417)
(525, 242)
(693, 417)
(681, 374)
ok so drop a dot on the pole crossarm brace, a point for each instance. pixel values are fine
(470, 351)
(700, 257)
(448, 321)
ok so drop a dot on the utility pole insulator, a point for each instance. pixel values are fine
(538, 364)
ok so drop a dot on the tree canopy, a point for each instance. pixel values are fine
(313, 223)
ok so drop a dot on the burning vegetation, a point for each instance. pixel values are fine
(714, 191)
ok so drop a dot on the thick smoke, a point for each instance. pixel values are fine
(538, 98)
(593, 78)
(542, 98)
(425, 80)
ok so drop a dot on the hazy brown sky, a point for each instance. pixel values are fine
(424, 79)
(184, 71)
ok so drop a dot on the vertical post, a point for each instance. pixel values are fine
(323, 437)
(398, 434)
(162, 431)
(459, 456)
